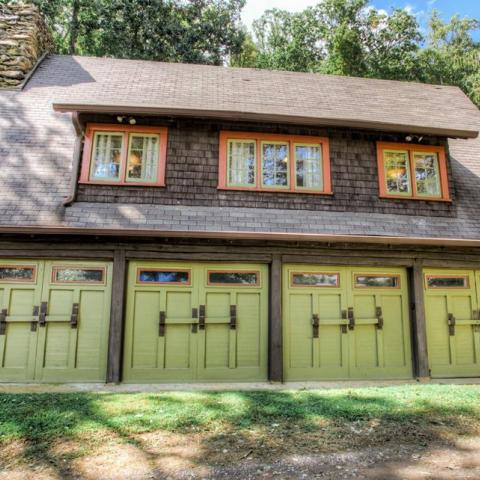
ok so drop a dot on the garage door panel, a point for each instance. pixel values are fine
(248, 329)
(300, 315)
(363, 323)
(393, 331)
(451, 303)
(16, 346)
(331, 346)
(215, 326)
(90, 343)
(56, 346)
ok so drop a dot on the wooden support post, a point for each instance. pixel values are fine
(419, 325)
(275, 321)
(115, 338)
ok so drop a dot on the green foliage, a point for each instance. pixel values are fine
(197, 31)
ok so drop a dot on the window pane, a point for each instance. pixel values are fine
(316, 279)
(275, 164)
(382, 281)
(427, 174)
(233, 278)
(143, 158)
(397, 172)
(460, 281)
(80, 275)
(17, 274)
(106, 156)
(164, 276)
(241, 162)
(308, 166)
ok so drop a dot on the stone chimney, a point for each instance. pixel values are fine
(24, 38)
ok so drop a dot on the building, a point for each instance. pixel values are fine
(182, 223)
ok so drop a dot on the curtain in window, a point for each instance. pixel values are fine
(143, 157)
(241, 163)
(308, 166)
(107, 154)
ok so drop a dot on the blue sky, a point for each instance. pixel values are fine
(421, 8)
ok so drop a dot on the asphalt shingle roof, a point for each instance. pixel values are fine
(36, 147)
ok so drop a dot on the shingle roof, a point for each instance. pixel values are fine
(111, 85)
(36, 147)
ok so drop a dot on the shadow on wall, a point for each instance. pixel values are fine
(36, 145)
(216, 430)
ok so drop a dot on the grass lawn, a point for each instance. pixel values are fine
(90, 435)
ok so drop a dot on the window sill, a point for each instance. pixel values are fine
(424, 199)
(121, 184)
(274, 190)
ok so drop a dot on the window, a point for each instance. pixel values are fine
(412, 171)
(314, 279)
(267, 162)
(124, 155)
(376, 281)
(162, 276)
(73, 274)
(18, 273)
(446, 281)
(229, 277)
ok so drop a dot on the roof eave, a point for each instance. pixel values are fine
(239, 235)
(264, 117)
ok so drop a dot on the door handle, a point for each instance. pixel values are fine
(34, 323)
(161, 324)
(74, 316)
(201, 317)
(42, 319)
(315, 325)
(451, 324)
(3, 321)
(233, 317)
(379, 315)
(194, 316)
(351, 319)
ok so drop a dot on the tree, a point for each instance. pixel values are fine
(452, 56)
(197, 31)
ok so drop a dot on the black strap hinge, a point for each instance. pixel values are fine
(315, 325)
(379, 315)
(42, 318)
(161, 324)
(451, 324)
(3, 321)
(74, 316)
(233, 317)
(201, 317)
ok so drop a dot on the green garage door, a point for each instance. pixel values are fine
(193, 322)
(453, 322)
(54, 319)
(342, 323)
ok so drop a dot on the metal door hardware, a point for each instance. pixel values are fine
(351, 319)
(34, 323)
(451, 324)
(74, 316)
(316, 325)
(233, 317)
(344, 317)
(379, 315)
(161, 324)
(42, 319)
(201, 317)
(3, 321)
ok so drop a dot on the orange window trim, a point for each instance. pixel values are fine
(262, 137)
(56, 268)
(93, 128)
(411, 148)
(176, 270)
(294, 285)
(373, 275)
(465, 277)
(218, 284)
(20, 266)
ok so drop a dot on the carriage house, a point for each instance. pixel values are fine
(185, 223)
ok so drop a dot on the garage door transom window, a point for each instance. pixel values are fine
(449, 281)
(365, 280)
(17, 273)
(68, 274)
(164, 277)
(230, 277)
(315, 279)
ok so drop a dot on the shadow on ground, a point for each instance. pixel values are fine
(232, 434)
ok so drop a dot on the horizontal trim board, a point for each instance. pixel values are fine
(254, 116)
(243, 235)
(205, 256)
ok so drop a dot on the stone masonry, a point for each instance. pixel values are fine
(24, 37)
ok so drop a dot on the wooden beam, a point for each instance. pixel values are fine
(115, 338)
(347, 259)
(275, 321)
(419, 325)
(200, 256)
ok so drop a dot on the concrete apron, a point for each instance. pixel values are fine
(194, 387)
